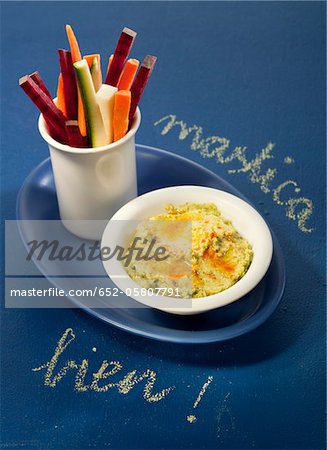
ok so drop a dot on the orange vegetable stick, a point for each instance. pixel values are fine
(127, 76)
(61, 95)
(76, 56)
(90, 58)
(74, 48)
(111, 57)
(97, 76)
(121, 113)
(81, 115)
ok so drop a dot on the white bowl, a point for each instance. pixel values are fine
(244, 217)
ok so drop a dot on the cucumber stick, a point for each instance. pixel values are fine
(95, 127)
(106, 99)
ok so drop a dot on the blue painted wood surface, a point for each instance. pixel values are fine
(252, 73)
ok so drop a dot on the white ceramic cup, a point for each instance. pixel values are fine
(93, 183)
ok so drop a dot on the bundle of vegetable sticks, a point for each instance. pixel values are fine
(88, 112)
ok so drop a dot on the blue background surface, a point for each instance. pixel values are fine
(252, 72)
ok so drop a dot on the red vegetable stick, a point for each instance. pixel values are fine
(140, 82)
(69, 83)
(123, 48)
(127, 76)
(52, 131)
(75, 139)
(36, 77)
(51, 113)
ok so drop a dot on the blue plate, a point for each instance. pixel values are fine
(156, 169)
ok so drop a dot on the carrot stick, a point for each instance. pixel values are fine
(121, 113)
(76, 56)
(127, 76)
(81, 115)
(90, 58)
(140, 82)
(61, 95)
(96, 74)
